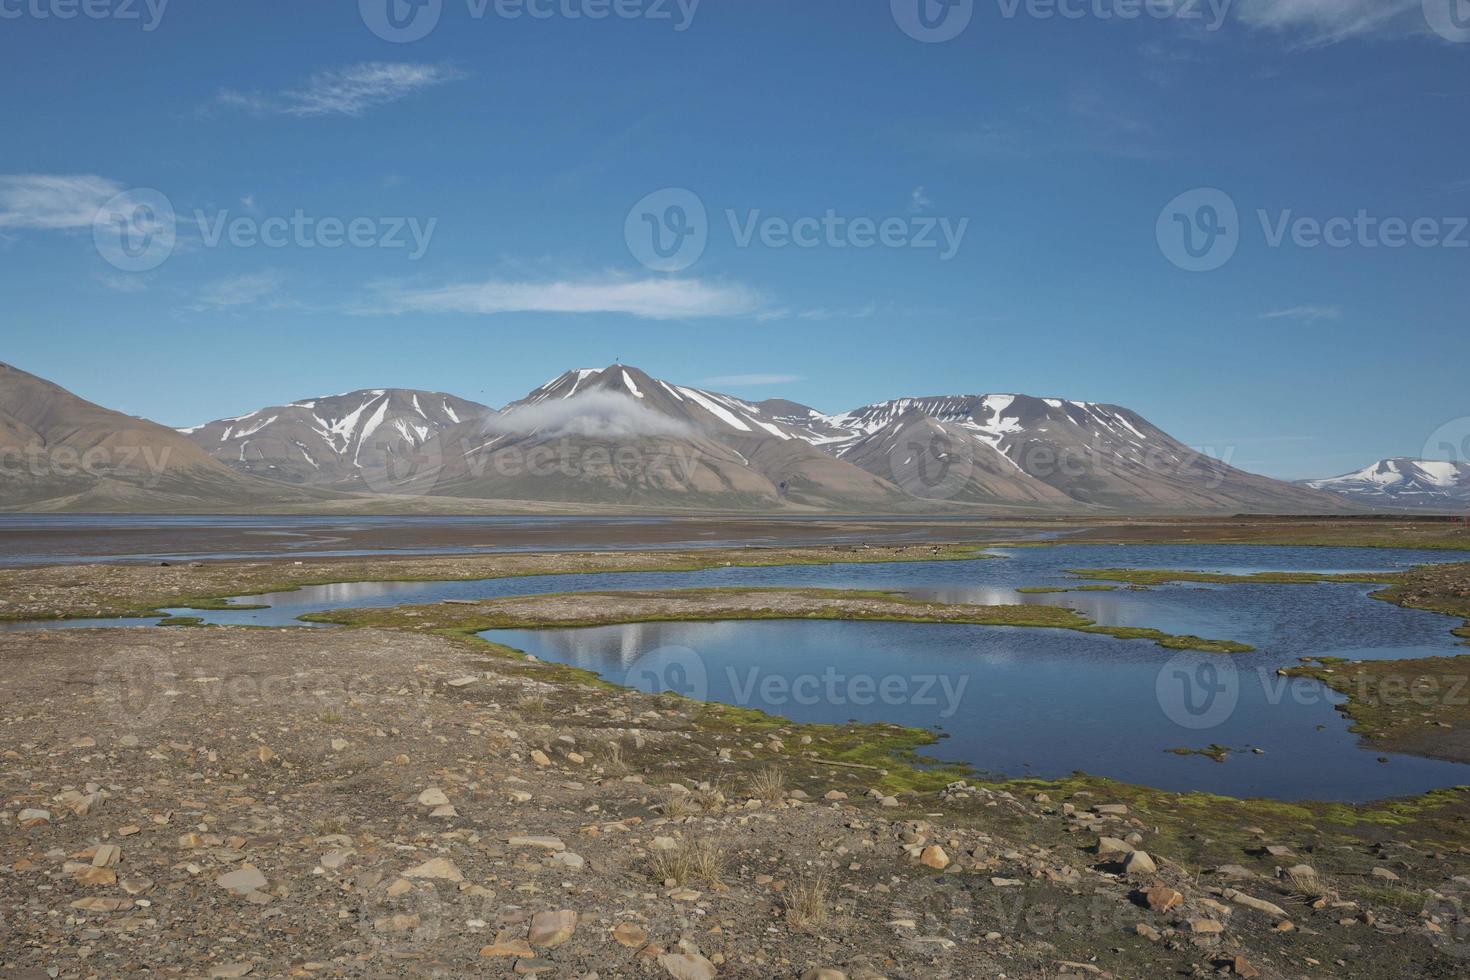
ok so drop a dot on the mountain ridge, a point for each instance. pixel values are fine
(617, 437)
(1403, 482)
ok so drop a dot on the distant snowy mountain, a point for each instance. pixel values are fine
(341, 441)
(1049, 451)
(679, 446)
(1418, 483)
(616, 436)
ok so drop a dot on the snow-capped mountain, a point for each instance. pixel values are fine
(1046, 450)
(679, 445)
(1419, 483)
(616, 436)
(341, 441)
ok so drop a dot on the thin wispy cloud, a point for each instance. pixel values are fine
(751, 380)
(250, 289)
(1319, 22)
(53, 202)
(652, 299)
(1305, 314)
(350, 91)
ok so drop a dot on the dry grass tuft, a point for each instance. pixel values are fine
(769, 784)
(807, 902)
(695, 859)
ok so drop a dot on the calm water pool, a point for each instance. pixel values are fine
(1016, 701)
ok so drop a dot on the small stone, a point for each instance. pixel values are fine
(246, 879)
(823, 973)
(441, 869)
(687, 966)
(463, 681)
(533, 966)
(1205, 927)
(338, 744)
(1162, 898)
(1241, 968)
(569, 860)
(106, 856)
(552, 928)
(445, 811)
(834, 795)
(508, 947)
(100, 904)
(540, 758)
(1113, 849)
(520, 796)
(1139, 863)
(630, 934)
(225, 970)
(1384, 874)
(332, 860)
(934, 857)
(548, 843)
(129, 830)
(33, 817)
(432, 797)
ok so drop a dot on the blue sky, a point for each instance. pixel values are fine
(1060, 153)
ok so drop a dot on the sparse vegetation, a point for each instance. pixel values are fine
(701, 859)
(807, 903)
(768, 784)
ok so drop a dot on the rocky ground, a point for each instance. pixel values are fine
(386, 802)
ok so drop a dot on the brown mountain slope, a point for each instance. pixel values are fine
(61, 452)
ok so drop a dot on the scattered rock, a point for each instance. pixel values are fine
(687, 966)
(440, 869)
(552, 928)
